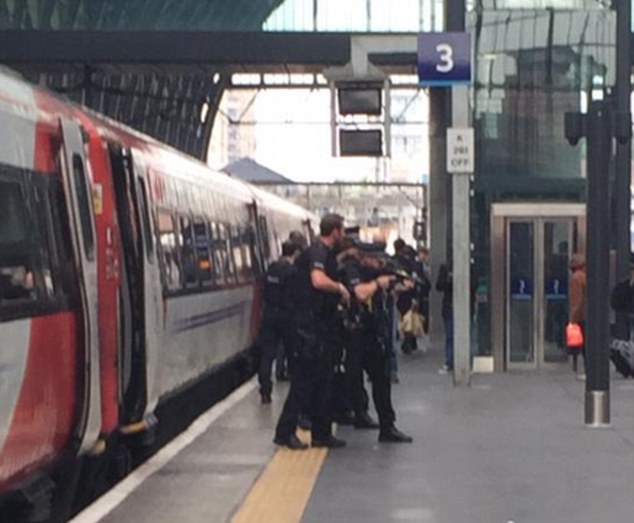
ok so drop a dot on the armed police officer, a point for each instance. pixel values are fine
(317, 296)
(277, 318)
(369, 321)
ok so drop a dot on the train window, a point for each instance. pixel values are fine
(264, 234)
(144, 210)
(255, 253)
(64, 275)
(47, 251)
(17, 281)
(202, 242)
(309, 232)
(188, 256)
(236, 247)
(37, 271)
(247, 252)
(169, 249)
(219, 255)
(225, 235)
(84, 197)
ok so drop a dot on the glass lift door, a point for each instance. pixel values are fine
(538, 254)
(558, 246)
(520, 309)
(531, 245)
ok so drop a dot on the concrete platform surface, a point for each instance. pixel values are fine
(207, 481)
(512, 448)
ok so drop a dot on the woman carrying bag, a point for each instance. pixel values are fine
(577, 309)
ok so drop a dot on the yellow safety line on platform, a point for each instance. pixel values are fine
(282, 491)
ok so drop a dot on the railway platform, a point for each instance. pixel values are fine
(512, 448)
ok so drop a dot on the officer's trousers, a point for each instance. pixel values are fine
(366, 353)
(311, 386)
(272, 334)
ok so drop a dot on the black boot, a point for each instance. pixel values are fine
(364, 421)
(266, 398)
(393, 435)
(344, 418)
(330, 443)
(292, 442)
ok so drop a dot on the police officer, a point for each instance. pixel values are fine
(298, 238)
(370, 341)
(352, 403)
(317, 296)
(277, 316)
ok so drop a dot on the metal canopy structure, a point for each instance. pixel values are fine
(93, 15)
(167, 84)
(66, 46)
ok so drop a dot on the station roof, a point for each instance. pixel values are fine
(137, 15)
(161, 99)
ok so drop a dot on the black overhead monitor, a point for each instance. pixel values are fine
(359, 100)
(361, 143)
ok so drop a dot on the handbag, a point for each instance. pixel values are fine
(412, 324)
(574, 336)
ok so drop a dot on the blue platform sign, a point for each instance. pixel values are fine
(444, 59)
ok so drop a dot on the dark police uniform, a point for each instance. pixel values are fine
(316, 321)
(277, 319)
(370, 343)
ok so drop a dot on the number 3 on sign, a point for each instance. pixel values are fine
(445, 52)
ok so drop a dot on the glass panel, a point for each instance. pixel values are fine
(188, 255)
(545, 4)
(557, 236)
(16, 256)
(521, 285)
(169, 249)
(531, 68)
(144, 211)
(202, 242)
(84, 206)
(219, 253)
(380, 16)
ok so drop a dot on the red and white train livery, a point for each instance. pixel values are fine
(127, 274)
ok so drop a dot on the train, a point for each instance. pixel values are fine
(128, 278)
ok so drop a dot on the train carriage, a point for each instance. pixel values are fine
(128, 274)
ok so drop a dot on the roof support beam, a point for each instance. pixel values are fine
(173, 47)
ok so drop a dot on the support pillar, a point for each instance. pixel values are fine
(622, 178)
(461, 251)
(439, 204)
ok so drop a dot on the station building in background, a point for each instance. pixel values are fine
(535, 60)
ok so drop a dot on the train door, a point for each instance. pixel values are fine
(140, 298)
(153, 294)
(260, 237)
(78, 190)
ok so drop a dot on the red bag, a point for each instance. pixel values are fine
(574, 336)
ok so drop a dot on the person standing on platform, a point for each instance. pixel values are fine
(277, 318)
(298, 238)
(402, 304)
(577, 297)
(370, 344)
(318, 294)
(444, 284)
(622, 299)
(424, 287)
